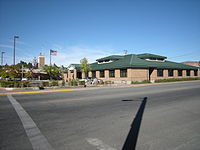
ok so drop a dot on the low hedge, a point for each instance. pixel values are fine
(81, 82)
(11, 84)
(73, 82)
(54, 83)
(141, 82)
(176, 80)
(45, 83)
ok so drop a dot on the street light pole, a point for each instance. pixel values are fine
(15, 37)
(2, 58)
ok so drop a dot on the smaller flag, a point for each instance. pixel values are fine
(53, 53)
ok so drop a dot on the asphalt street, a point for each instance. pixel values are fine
(101, 118)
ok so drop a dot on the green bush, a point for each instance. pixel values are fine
(73, 82)
(81, 82)
(15, 84)
(25, 83)
(54, 83)
(63, 83)
(141, 82)
(101, 82)
(7, 84)
(175, 80)
(107, 82)
(45, 83)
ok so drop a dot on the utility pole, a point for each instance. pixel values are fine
(2, 58)
(15, 37)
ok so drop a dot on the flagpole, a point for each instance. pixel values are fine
(50, 57)
(50, 63)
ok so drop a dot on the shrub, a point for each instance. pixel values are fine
(26, 83)
(107, 82)
(15, 84)
(101, 82)
(54, 83)
(81, 82)
(45, 83)
(176, 80)
(73, 82)
(140, 82)
(63, 83)
(10, 84)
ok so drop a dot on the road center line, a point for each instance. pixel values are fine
(37, 139)
(99, 144)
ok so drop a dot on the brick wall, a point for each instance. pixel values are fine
(134, 75)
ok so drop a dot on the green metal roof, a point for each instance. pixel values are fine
(147, 55)
(112, 57)
(77, 66)
(135, 61)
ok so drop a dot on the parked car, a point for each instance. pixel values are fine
(87, 80)
(24, 79)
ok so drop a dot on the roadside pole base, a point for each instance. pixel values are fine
(41, 88)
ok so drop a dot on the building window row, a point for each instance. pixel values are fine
(160, 73)
(123, 73)
(171, 72)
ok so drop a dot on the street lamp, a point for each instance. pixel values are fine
(2, 58)
(15, 37)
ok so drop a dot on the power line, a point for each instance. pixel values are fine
(186, 54)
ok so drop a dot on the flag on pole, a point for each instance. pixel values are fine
(53, 52)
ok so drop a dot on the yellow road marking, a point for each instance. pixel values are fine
(33, 92)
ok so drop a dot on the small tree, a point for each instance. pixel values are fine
(28, 74)
(52, 71)
(85, 68)
(11, 72)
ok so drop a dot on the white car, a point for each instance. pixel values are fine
(24, 79)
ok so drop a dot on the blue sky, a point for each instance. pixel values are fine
(97, 28)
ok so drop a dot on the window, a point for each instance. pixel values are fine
(180, 73)
(195, 72)
(93, 74)
(160, 72)
(170, 72)
(111, 73)
(123, 73)
(102, 75)
(187, 72)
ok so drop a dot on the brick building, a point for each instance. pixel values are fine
(41, 61)
(132, 67)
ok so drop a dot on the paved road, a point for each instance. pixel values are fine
(101, 118)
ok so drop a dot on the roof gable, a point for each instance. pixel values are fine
(148, 55)
(112, 57)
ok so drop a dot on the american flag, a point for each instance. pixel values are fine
(53, 52)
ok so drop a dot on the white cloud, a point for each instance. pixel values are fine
(73, 54)
(6, 46)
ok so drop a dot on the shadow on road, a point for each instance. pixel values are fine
(132, 137)
(130, 100)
